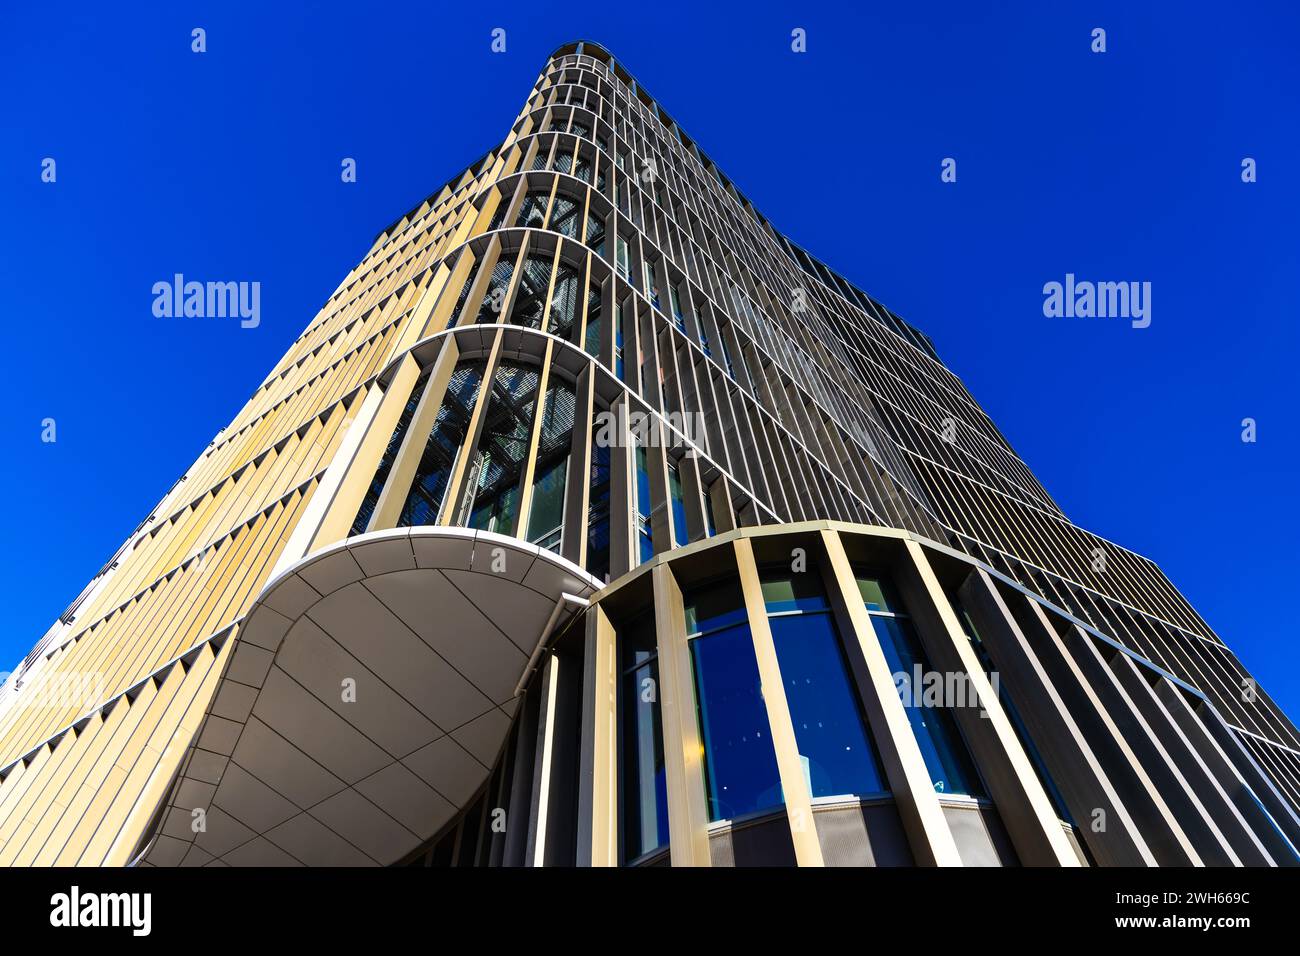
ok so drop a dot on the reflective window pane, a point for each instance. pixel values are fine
(835, 748)
(429, 485)
(740, 764)
(564, 302)
(390, 454)
(494, 480)
(644, 784)
(598, 510)
(714, 606)
(785, 590)
(530, 296)
(645, 535)
(873, 596)
(680, 536)
(546, 514)
(936, 732)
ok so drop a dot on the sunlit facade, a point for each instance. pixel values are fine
(593, 522)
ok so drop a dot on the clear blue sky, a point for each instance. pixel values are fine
(1122, 166)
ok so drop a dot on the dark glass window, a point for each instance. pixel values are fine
(390, 453)
(936, 732)
(652, 285)
(532, 212)
(494, 296)
(709, 527)
(676, 303)
(702, 325)
(424, 500)
(546, 512)
(598, 511)
(1013, 714)
(564, 302)
(592, 343)
(714, 608)
(645, 534)
(621, 257)
(619, 364)
(565, 215)
(726, 356)
(784, 591)
(644, 785)
(595, 237)
(835, 746)
(457, 312)
(499, 216)
(530, 297)
(740, 764)
(499, 462)
(680, 536)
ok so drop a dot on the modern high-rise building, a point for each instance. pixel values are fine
(592, 521)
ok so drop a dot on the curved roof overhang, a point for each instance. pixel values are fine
(369, 695)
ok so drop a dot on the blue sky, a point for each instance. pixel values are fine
(1117, 166)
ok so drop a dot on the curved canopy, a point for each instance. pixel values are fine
(370, 692)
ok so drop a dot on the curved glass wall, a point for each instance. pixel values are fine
(494, 296)
(551, 467)
(493, 488)
(591, 343)
(835, 747)
(565, 216)
(532, 211)
(595, 237)
(644, 531)
(564, 302)
(680, 535)
(942, 746)
(530, 296)
(598, 509)
(740, 769)
(390, 454)
(428, 488)
(643, 790)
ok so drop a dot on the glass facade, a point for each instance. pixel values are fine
(591, 343)
(530, 295)
(565, 216)
(619, 363)
(494, 485)
(390, 454)
(835, 746)
(680, 535)
(598, 511)
(643, 790)
(644, 532)
(532, 212)
(740, 764)
(946, 757)
(494, 296)
(709, 527)
(423, 503)
(565, 300)
(551, 469)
